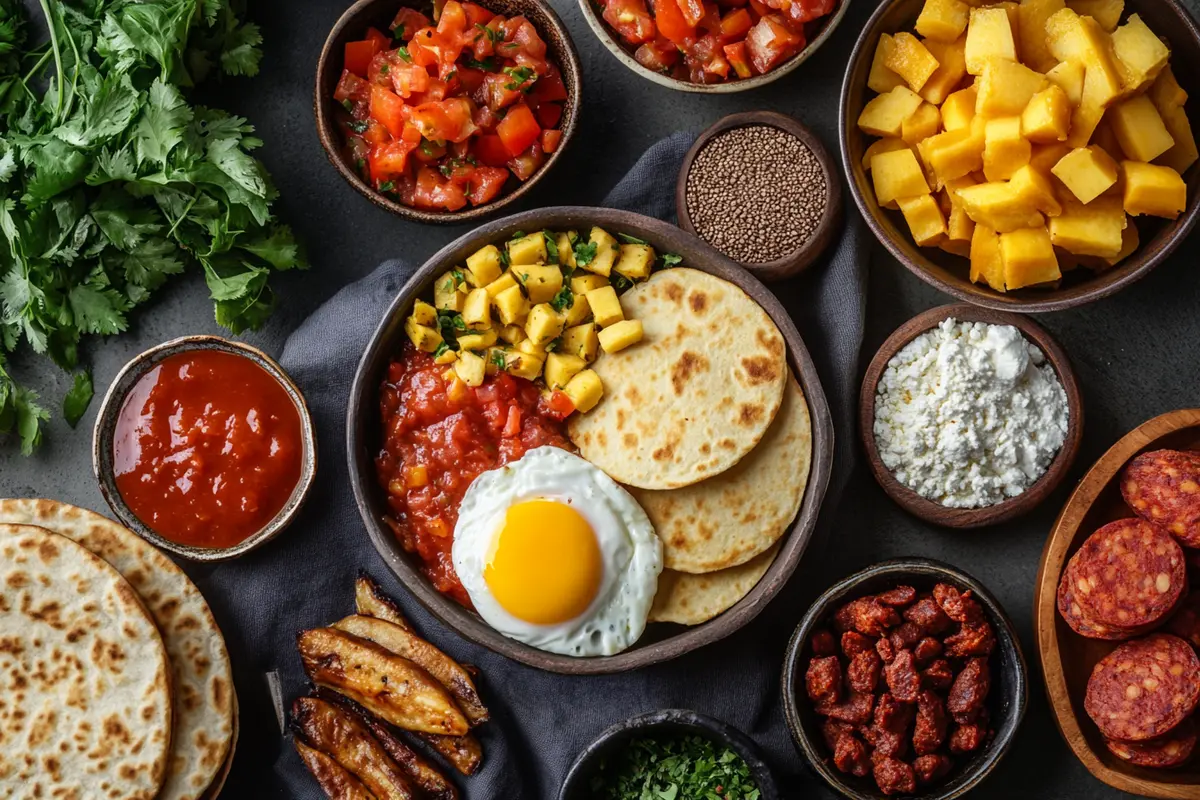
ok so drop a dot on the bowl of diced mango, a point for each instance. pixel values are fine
(1033, 155)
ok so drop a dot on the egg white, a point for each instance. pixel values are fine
(630, 551)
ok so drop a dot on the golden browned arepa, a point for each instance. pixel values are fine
(691, 599)
(202, 678)
(732, 517)
(695, 395)
(85, 688)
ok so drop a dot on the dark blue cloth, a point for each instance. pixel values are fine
(540, 721)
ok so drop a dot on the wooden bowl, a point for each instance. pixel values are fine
(830, 224)
(1067, 658)
(353, 24)
(104, 434)
(1007, 700)
(624, 54)
(669, 722)
(661, 641)
(1167, 18)
(937, 513)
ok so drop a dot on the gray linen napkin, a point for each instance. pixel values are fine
(540, 720)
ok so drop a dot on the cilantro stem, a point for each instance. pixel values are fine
(51, 24)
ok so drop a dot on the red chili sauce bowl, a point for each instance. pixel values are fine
(204, 447)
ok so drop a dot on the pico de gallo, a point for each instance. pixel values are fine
(714, 42)
(444, 110)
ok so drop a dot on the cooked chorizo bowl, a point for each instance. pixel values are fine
(904, 678)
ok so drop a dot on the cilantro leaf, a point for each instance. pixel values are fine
(668, 260)
(241, 55)
(585, 252)
(564, 299)
(551, 247)
(163, 121)
(627, 239)
(78, 398)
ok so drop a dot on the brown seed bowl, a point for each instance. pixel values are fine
(661, 641)
(106, 426)
(379, 13)
(1006, 701)
(812, 248)
(947, 272)
(1013, 507)
(624, 54)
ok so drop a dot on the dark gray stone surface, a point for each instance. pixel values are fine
(1135, 353)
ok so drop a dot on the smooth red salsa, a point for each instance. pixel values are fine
(207, 448)
(714, 42)
(444, 111)
(439, 435)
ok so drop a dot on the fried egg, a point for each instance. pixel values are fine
(553, 553)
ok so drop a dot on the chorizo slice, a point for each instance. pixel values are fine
(1163, 487)
(1144, 688)
(1167, 751)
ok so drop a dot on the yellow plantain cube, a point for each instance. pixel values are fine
(606, 252)
(881, 79)
(1094, 229)
(1166, 91)
(954, 154)
(581, 340)
(483, 266)
(1183, 153)
(1068, 76)
(470, 368)
(943, 20)
(634, 261)
(1045, 156)
(620, 335)
(1005, 88)
(529, 249)
(1071, 37)
(513, 334)
(561, 367)
(1106, 12)
(1004, 150)
(605, 305)
(1140, 55)
(986, 264)
(423, 313)
(989, 37)
(505, 281)
(1047, 118)
(584, 282)
(544, 324)
(953, 186)
(1153, 190)
(1028, 257)
(959, 109)
(1087, 171)
(1031, 32)
(999, 207)
(447, 356)
(885, 145)
(423, 337)
(1034, 186)
(910, 59)
(921, 124)
(925, 220)
(1089, 112)
(1105, 138)
(541, 281)
(952, 68)
(884, 115)
(477, 341)
(1140, 129)
(530, 348)
(579, 311)
(1129, 243)
(446, 295)
(477, 312)
(896, 174)
(524, 365)
(959, 226)
(511, 306)
(566, 251)
(585, 390)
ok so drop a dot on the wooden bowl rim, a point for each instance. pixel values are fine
(1120, 276)
(730, 87)
(1045, 607)
(470, 626)
(1003, 511)
(569, 66)
(818, 242)
(110, 410)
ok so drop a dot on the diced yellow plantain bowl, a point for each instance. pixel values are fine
(1028, 156)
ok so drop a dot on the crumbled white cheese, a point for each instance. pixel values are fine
(969, 414)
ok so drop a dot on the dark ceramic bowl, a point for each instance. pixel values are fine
(353, 24)
(661, 641)
(110, 412)
(1006, 701)
(1159, 237)
(671, 722)
(624, 54)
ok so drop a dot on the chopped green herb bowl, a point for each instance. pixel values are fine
(690, 777)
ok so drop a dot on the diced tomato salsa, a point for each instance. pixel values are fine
(438, 436)
(441, 113)
(702, 41)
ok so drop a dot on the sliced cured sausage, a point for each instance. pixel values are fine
(1163, 487)
(1144, 688)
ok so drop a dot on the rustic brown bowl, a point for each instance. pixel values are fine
(379, 13)
(929, 510)
(1007, 700)
(948, 272)
(1067, 658)
(661, 641)
(624, 54)
(830, 224)
(105, 431)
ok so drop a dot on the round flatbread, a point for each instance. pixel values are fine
(85, 688)
(200, 669)
(691, 599)
(732, 517)
(695, 395)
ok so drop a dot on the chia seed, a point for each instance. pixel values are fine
(756, 193)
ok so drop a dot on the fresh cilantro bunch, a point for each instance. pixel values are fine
(675, 768)
(112, 182)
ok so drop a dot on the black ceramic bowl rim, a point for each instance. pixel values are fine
(606, 37)
(105, 428)
(670, 720)
(901, 569)
(572, 74)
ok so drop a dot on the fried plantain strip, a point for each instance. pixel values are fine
(334, 780)
(441, 666)
(338, 733)
(371, 601)
(464, 752)
(389, 686)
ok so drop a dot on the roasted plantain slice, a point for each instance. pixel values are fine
(446, 670)
(389, 686)
(371, 601)
(335, 781)
(423, 774)
(464, 752)
(340, 735)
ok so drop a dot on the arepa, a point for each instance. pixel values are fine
(691, 599)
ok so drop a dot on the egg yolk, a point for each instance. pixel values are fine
(544, 566)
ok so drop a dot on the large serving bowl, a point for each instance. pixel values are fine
(947, 272)
(661, 641)
(380, 13)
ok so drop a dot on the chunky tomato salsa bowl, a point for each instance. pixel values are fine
(448, 111)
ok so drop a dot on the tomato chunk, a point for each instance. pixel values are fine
(550, 140)
(477, 14)
(518, 130)
(770, 42)
(630, 19)
(407, 22)
(657, 56)
(736, 55)
(351, 87)
(491, 150)
(549, 115)
(485, 184)
(389, 109)
(736, 24)
(358, 56)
